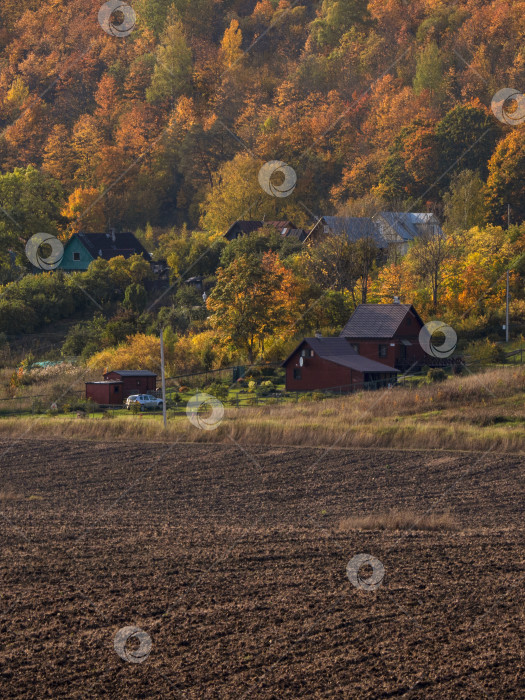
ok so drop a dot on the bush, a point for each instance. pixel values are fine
(172, 401)
(252, 386)
(37, 406)
(254, 372)
(266, 387)
(485, 352)
(436, 375)
(312, 396)
(220, 391)
(267, 371)
(87, 405)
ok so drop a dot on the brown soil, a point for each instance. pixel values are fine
(233, 561)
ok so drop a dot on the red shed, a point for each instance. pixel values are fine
(133, 381)
(105, 393)
(332, 363)
(387, 333)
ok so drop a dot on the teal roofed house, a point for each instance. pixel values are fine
(83, 248)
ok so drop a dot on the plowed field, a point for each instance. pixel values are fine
(233, 561)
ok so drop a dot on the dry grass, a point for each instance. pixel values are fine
(476, 412)
(400, 520)
(55, 381)
(8, 494)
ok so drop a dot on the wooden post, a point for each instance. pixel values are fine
(163, 377)
(507, 312)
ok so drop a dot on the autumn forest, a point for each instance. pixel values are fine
(378, 105)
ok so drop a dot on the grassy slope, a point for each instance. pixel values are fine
(477, 412)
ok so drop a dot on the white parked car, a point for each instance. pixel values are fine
(144, 400)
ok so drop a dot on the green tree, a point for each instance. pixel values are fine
(152, 14)
(259, 242)
(237, 194)
(135, 297)
(332, 263)
(336, 18)
(30, 203)
(191, 253)
(506, 180)
(85, 338)
(466, 139)
(429, 72)
(17, 317)
(426, 257)
(249, 303)
(173, 68)
(464, 205)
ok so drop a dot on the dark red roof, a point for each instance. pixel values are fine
(377, 320)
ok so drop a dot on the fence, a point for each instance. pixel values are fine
(35, 403)
(241, 398)
(231, 373)
(513, 356)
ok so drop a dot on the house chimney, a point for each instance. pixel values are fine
(318, 334)
(113, 237)
(396, 300)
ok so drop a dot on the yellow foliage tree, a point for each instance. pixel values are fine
(231, 52)
(85, 209)
(140, 351)
(17, 94)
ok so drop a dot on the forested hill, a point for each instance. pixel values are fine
(380, 101)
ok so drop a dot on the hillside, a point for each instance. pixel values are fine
(158, 119)
(383, 97)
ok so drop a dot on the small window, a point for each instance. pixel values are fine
(76, 256)
(116, 388)
(383, 349)
(297, 373)
(311, 353)
(138, 382)
(355, 346)
(409, 320)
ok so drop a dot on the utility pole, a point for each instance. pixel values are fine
(507, 312)
(163, 376)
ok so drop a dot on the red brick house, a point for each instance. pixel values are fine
(332, 363)
(388, 333)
